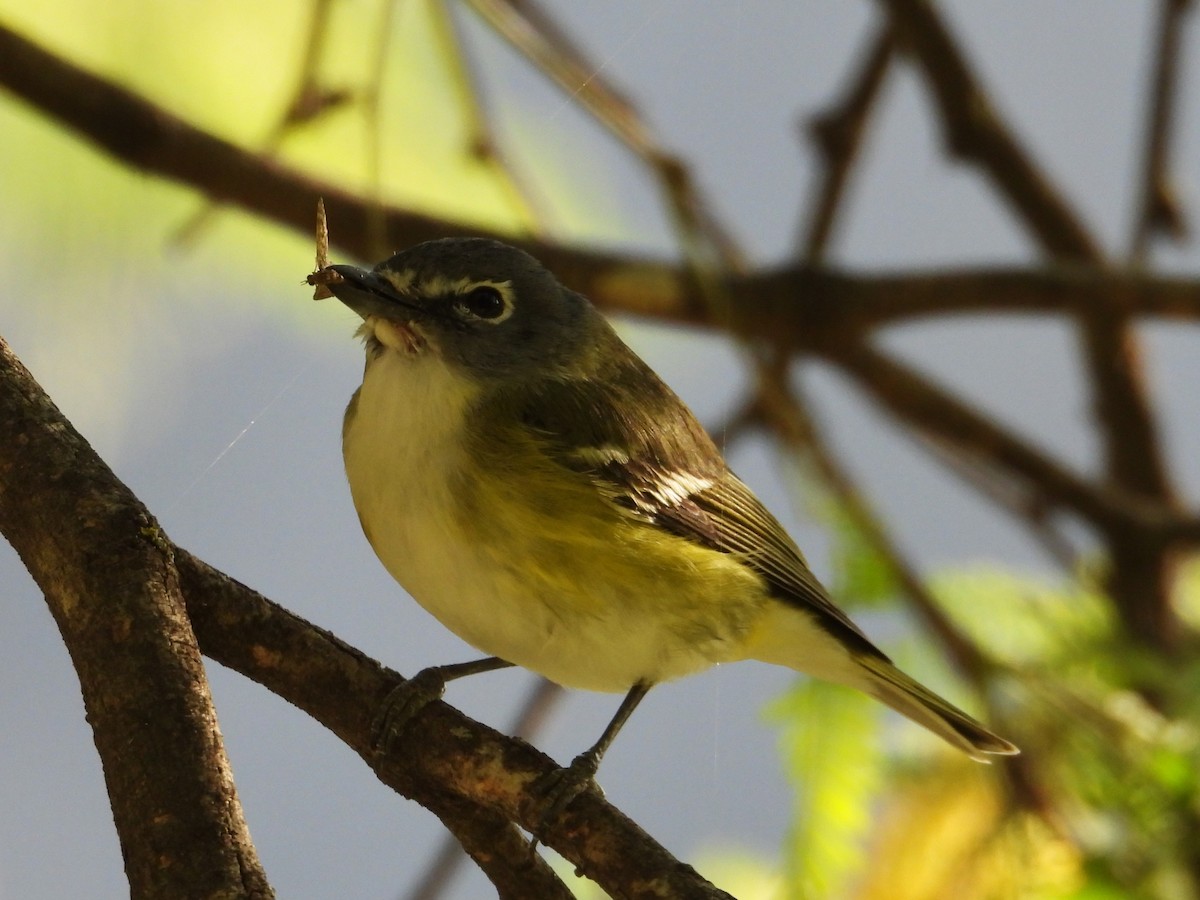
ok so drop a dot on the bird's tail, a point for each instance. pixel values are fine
(889, 685)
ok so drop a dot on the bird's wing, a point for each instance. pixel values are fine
(649, 455)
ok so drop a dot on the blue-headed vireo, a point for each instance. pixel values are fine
(537, 488)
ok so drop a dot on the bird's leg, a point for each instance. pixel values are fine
(563, 785)
(414, 694)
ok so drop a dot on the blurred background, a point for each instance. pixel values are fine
(179, 338)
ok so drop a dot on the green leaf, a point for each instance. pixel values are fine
(1022, 619)
(830, 748)
(862, 575)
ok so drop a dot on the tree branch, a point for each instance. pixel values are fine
(448, 754)
(790, 306)
(343, 689)
(110, 579)
(799, 306)
(943, 417)
(1159, 212)
(780, 405)
(838, 135)
(1141, 580)
(310, 101)
(974, 133)
(440, 870)
(532, 32)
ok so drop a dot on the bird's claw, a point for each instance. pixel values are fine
(558, 790)
(403, 704)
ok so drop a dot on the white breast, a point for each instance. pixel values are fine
(403, 447)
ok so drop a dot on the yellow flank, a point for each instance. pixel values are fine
(553, 537)
(559, 528)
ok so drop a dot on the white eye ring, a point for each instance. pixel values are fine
(486, 303)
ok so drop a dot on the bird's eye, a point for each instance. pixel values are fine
(483, 302)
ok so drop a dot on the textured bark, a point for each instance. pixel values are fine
(109, 578)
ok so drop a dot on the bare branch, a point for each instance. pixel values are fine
(483, 136)
(1143, 536)
(533, 33)
(786, 410)
(342, 689)
(1133, 454)
(1159, 212)
(838, 135)
(974, 132)
(799, 306)
(939, 415)
(310, 100)
(110, 579)
(793, 307)
(448, 858)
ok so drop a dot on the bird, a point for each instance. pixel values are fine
(535, 486)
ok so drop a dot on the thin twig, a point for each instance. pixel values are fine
(1159, 212)
(941, 416)
(484, 142)
(531, 31)
(1141, 574)
(974, 132)
(371, 103)
(838, 134)
(310, 100)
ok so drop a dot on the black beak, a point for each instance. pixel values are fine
(369, 294)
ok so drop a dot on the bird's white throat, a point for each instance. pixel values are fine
(404, 432)
(405, 337)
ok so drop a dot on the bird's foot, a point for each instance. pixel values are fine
(558, 790)
(410, 697)
(403, 704)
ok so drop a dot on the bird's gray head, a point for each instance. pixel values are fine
(479, 304)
